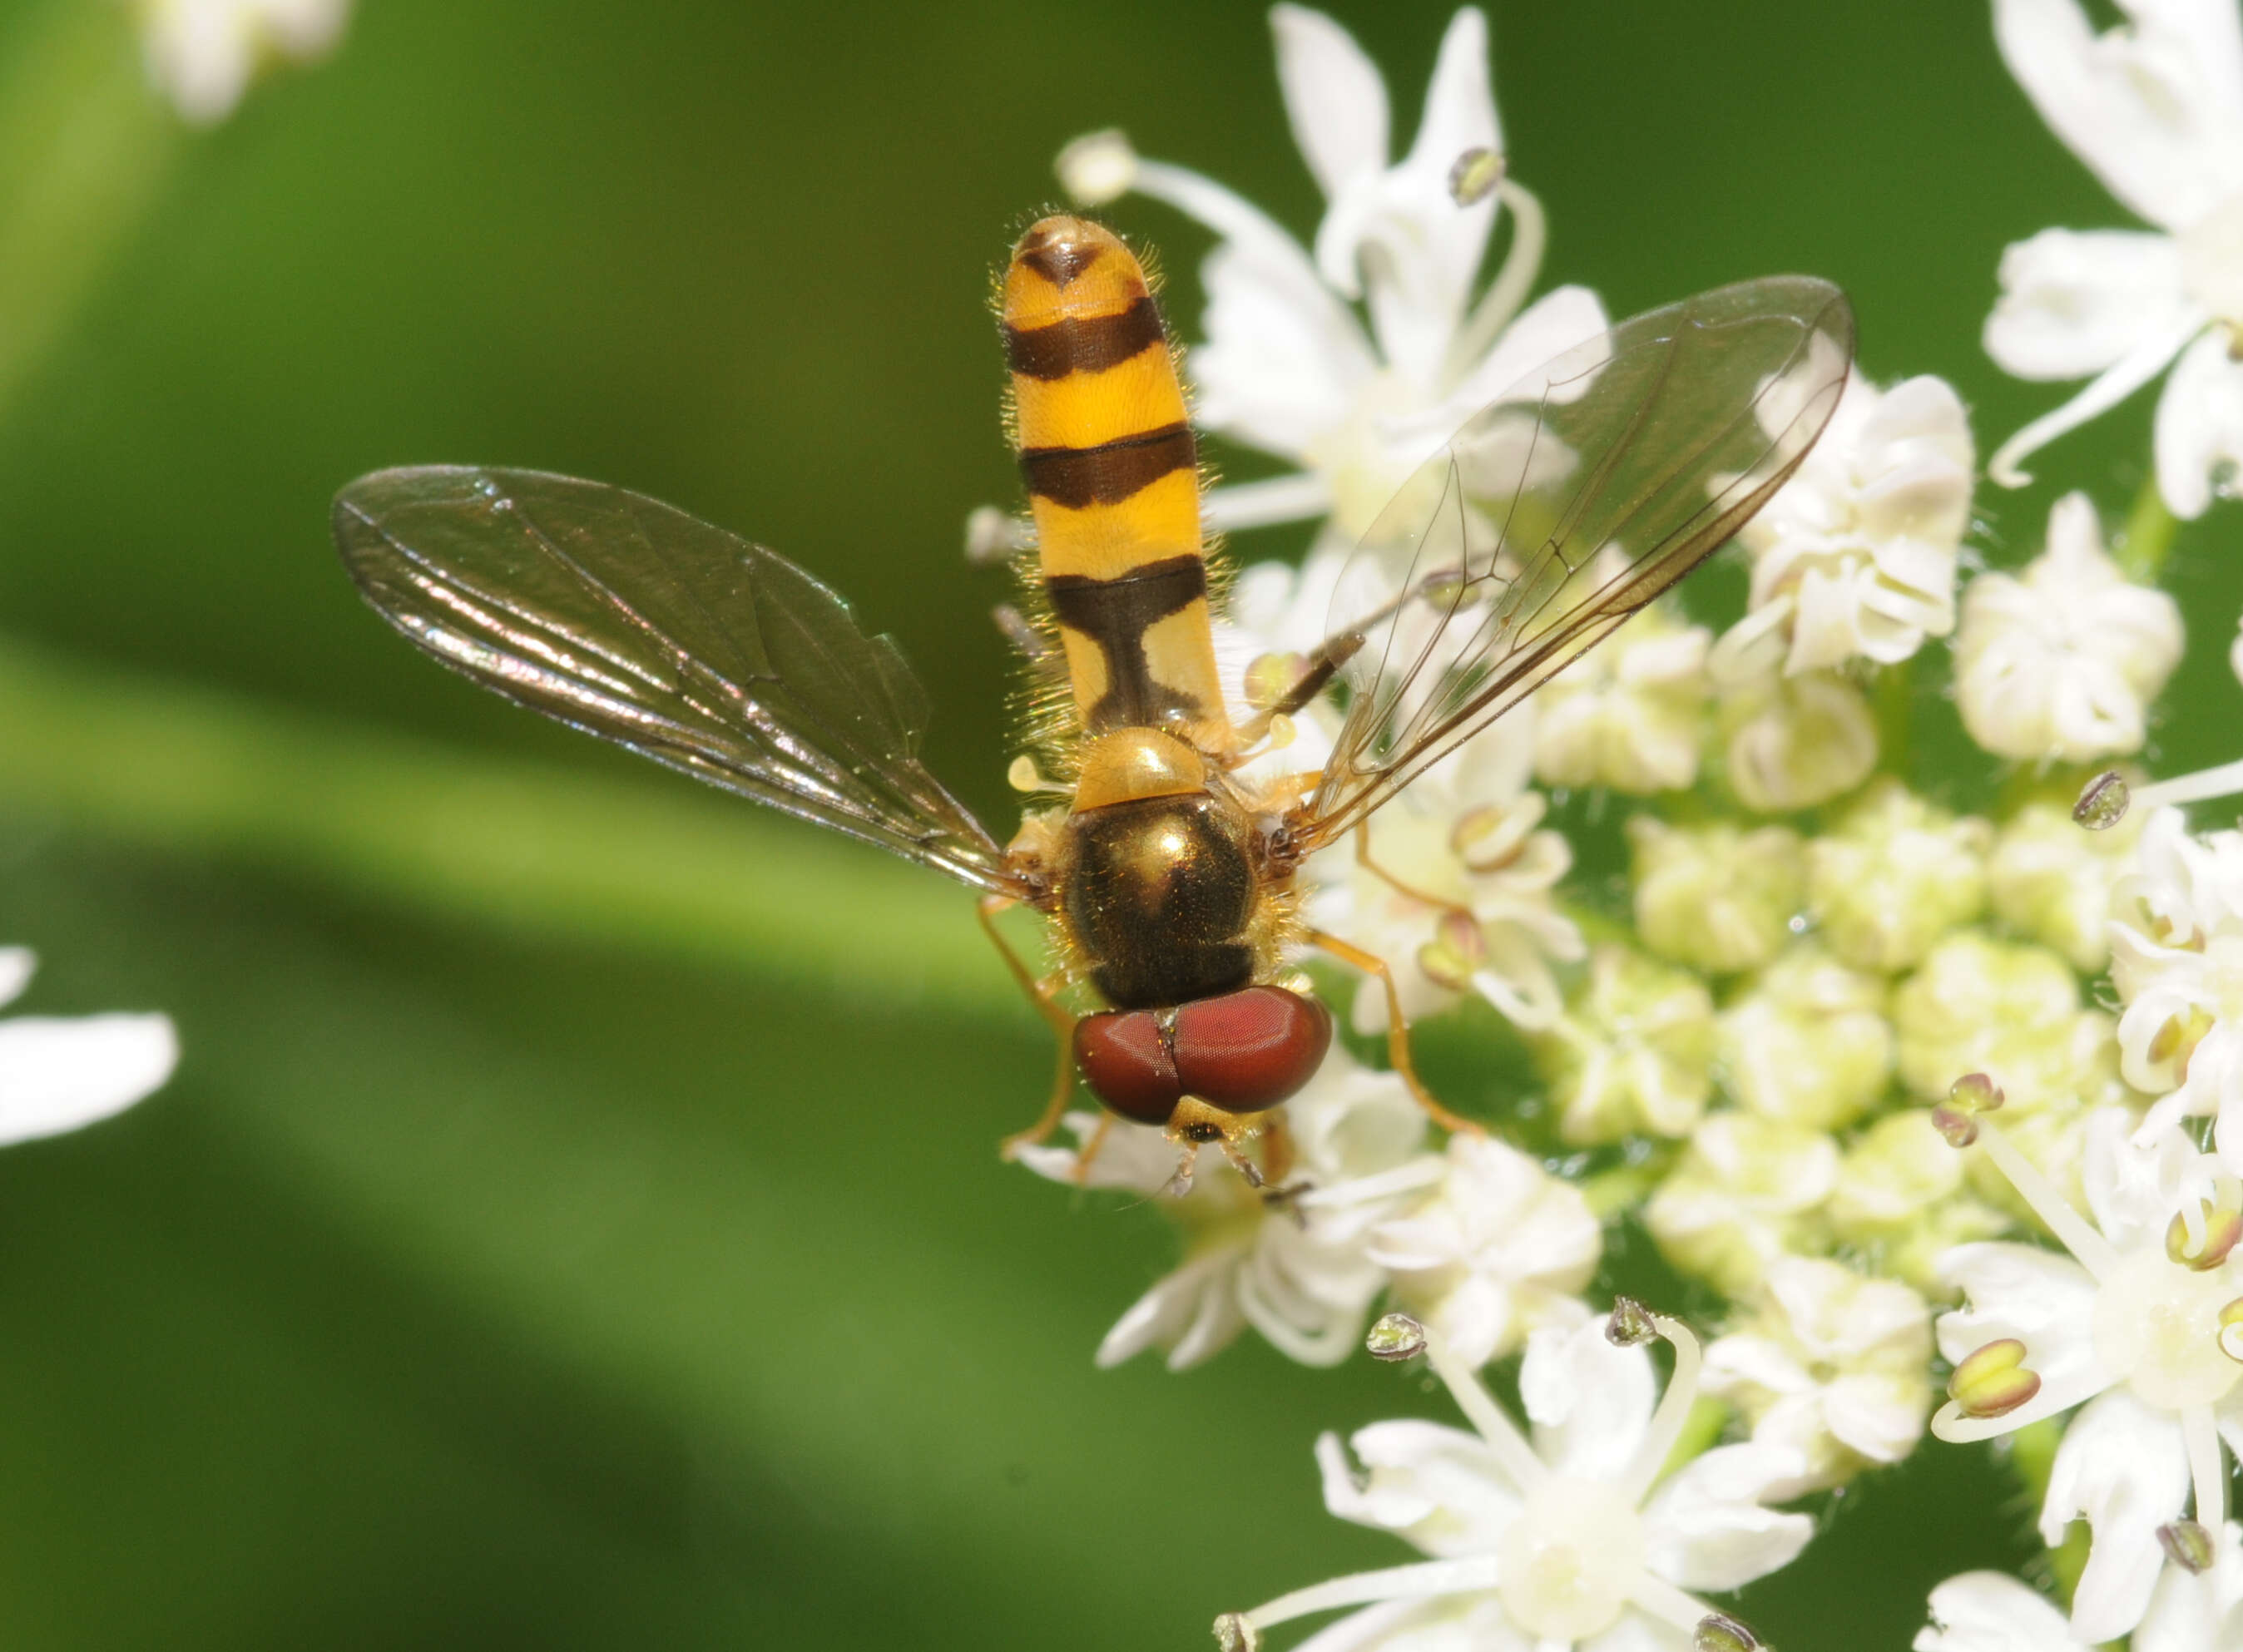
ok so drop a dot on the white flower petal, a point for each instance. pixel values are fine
(1590, 1401)
(1192, 1312)
(2156, 111)
(2124, 1468)
(59, 1074)
(2199, 425)
(1706, 1528)
(1992, 1612)
(16, 966)
(1440, 1487)
(2075, 301)
(1334, 97)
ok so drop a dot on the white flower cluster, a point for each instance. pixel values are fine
(1852, 1066)
(202, 54)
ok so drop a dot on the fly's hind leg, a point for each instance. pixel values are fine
(1397, 1030)
(1044, 995)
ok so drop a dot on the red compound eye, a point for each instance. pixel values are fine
(1251, 1049)
(1241, 1051)
(1128, 1065)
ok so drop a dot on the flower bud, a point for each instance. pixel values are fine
(1629, 714)
(2060, 662)
(1993, 1382)
(1809, 1043)
(2053, 883)
(1797, 742)
(1988, 1007)
(1715, 898)
(1894, 876)
(1634, 1052)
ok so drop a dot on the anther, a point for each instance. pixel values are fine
(1718, 1632)
(1456, 950)
(1956, 1118)
(2102, 802)
(2218, 1225)
(1395, 1337)
(1475, 175)
(1488, 838)
(2231, 1330)
(1993, 1382)
(1234, 1633)
(1631, 1323)
(2187, 1545)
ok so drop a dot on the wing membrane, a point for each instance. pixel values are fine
(634, 621)
(1558, 511)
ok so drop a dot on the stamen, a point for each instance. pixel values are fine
(1403, 1178)
(1662, 1599)
(1423, 1581)
(2103, 801)
(2119, 380)
(1530, 234)
(1098, 168)
(1718, 1632)
(1673, 1406)
(2187, 1545)
(1993, 1380)
(2094, 1253)
(2225, 781)
(2200, 1429)
(1494, 1424)
(1475, 175)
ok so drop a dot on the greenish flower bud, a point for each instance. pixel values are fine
(1716, 897)
(1809, 1043)
(2010, 1013)
(1633, 1053)
(1894, 876)
(2052, 883)
(1796, 741)
(1745, 1191)
(1627, 714)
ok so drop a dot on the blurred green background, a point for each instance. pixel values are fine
(575, 1222)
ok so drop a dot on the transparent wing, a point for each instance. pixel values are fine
(632, 620)
(1556, 513)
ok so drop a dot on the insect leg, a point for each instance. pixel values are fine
(1363, 859)
(1045, 996)
(1398, 1029)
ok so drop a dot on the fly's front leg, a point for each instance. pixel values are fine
(1398, 1029)
(1044, 994)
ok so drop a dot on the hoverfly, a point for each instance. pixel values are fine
(1167, 877)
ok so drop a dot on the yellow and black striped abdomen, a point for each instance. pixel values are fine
(1113, 477)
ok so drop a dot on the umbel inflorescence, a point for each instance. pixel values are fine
(1931, 1100)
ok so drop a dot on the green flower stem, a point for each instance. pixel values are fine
(2148, 536)
(85, 144)
(2033, 1457)
(541, 849)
